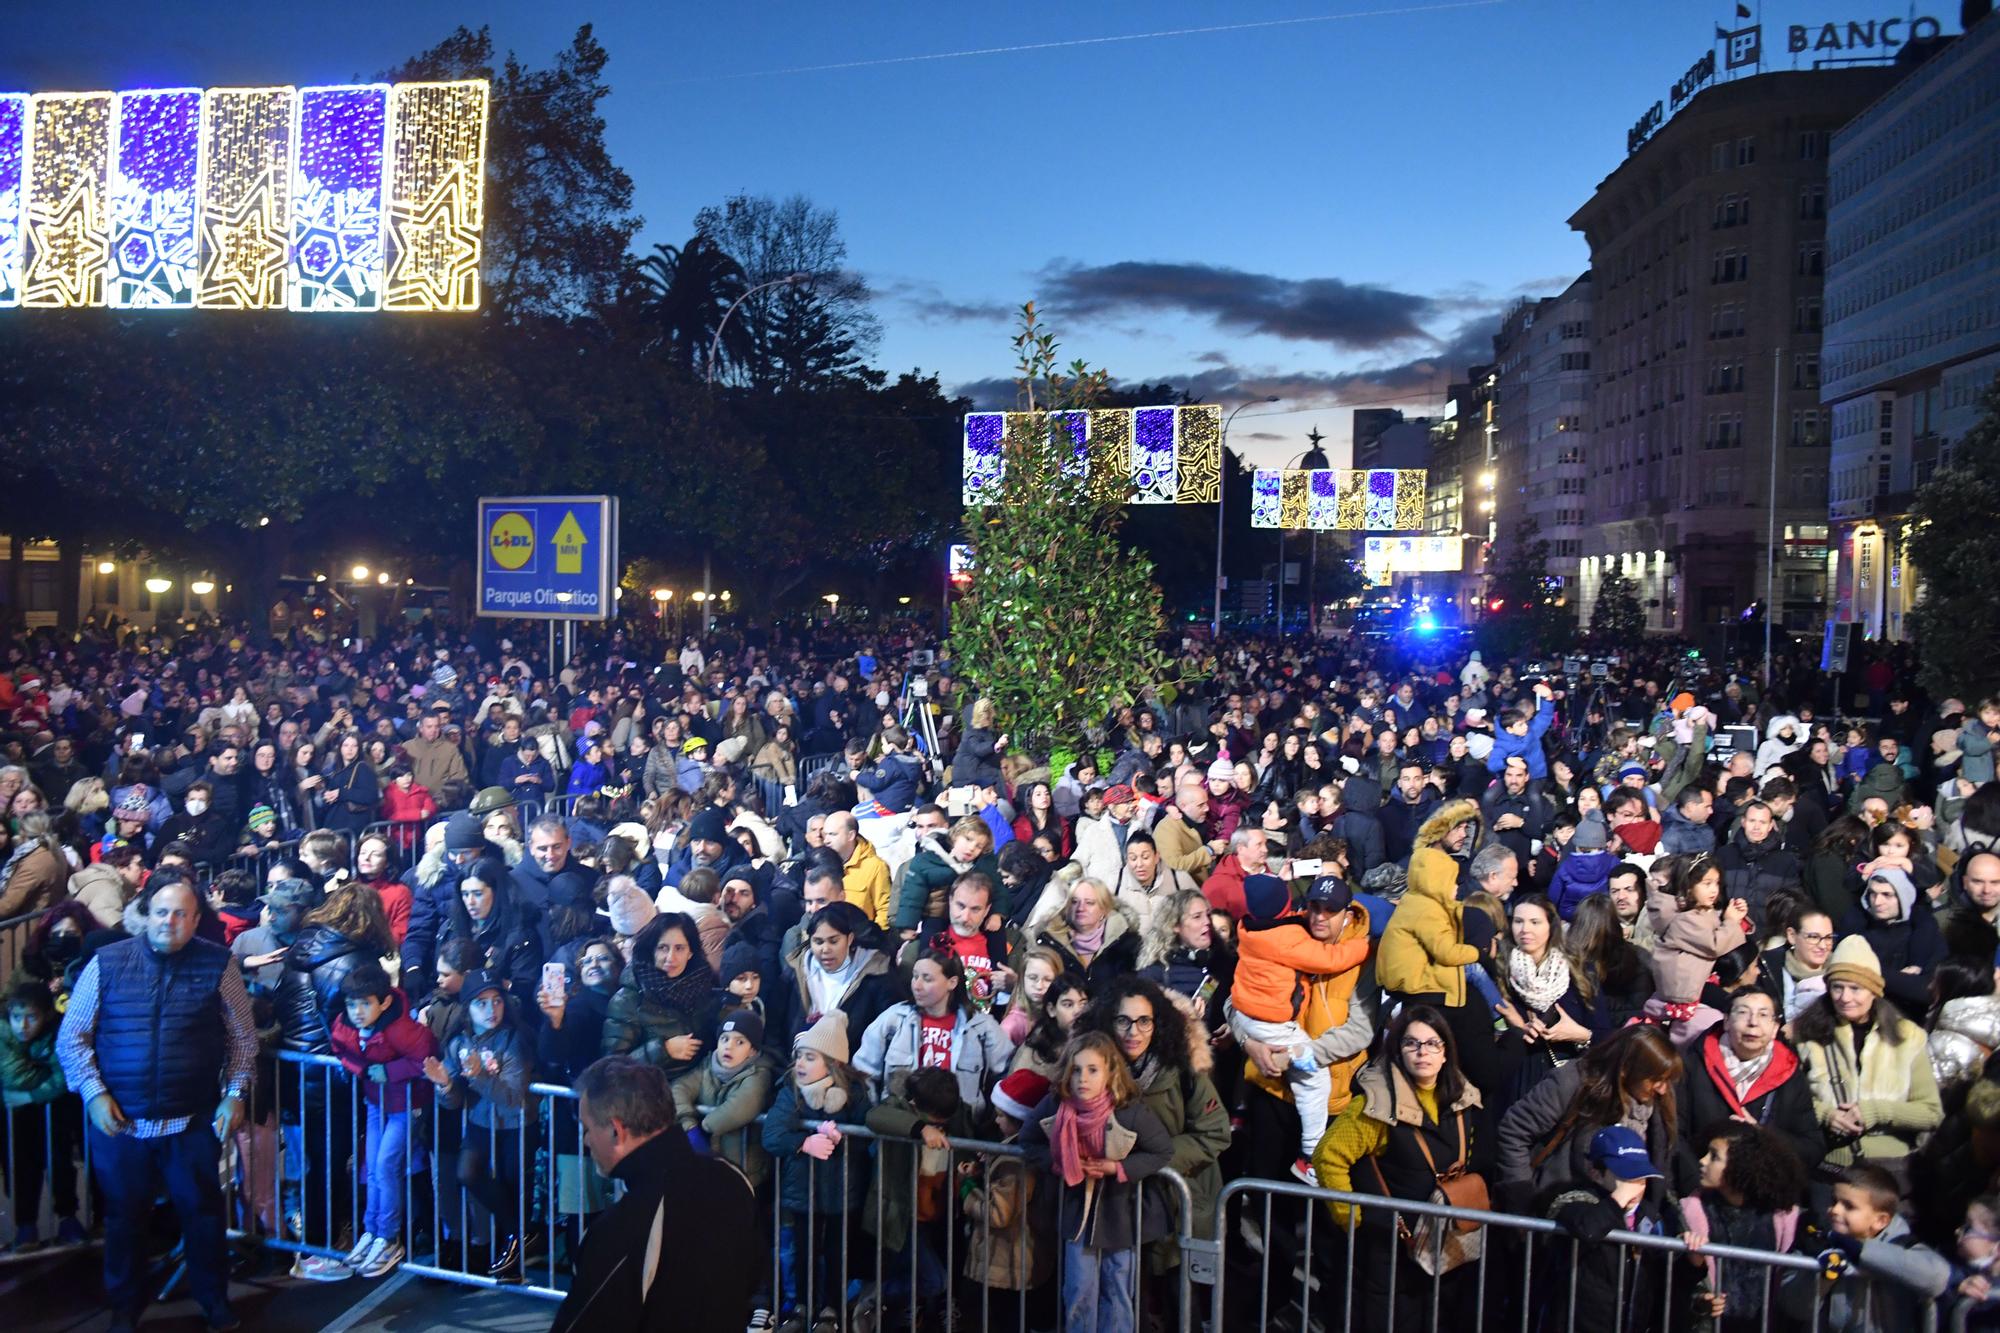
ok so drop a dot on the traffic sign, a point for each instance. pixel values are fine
(548, 557)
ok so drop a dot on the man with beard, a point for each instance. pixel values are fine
(708, 845)
(1410, 803)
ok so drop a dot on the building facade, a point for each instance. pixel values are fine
(1708, 449)
(1541, 416)
(1912, 309)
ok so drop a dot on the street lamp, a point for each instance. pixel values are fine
(663, 594)
(1221, 507)
(201, 587)
(1315, 457)
(359, 572)
(158, 586)
(382, 577)
(715, 343)
(107, 567)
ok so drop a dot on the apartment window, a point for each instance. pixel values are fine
(1812, 145)
(1726, 320)
(1718, 157)
(1724, 431)
(1812, 261)
(1732, 210)
(1746, 151)
(1812, 202)
(1808, 427)
(41, 585)
(1805, 370)
(1575, 361)
(1730, 266)
(1725, 377)
(1806, 315)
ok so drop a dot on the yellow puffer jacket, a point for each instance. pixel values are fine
(1422, 950)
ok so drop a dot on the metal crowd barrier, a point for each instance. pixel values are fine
(14, 941)
(810, 766)
(45, 1170)
(319, 1212)
(1515, 1281)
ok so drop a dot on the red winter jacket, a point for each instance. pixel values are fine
(399, 1043)
(408, 807)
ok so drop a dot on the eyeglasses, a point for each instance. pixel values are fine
(1971, 1232)
(1423, 1046)
(1126, 1024)
(1817, 937)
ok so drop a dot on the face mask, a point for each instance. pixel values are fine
(63, 948)
(197, 807)
(882, 698)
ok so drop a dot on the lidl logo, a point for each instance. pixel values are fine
(510, 541)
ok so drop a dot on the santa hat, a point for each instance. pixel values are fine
(1019, 1093)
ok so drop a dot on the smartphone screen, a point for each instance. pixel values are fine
(555, 979)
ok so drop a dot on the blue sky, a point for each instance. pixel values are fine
(1332, 209)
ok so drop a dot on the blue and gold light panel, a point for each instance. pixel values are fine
(1338, 499)
(355, 198)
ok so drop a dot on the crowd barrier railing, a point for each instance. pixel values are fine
(14, 932)
(45, 1170)
(1274, 1237)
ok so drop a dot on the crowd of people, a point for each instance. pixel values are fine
(1651, 949)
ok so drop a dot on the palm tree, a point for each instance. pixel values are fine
(686, 290)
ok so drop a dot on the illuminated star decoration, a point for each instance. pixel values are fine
(1143, 455)
(1338, 499)
(437, 149)
(338, 241)
(69, 160)
(245, 167)
(155, 247)
(13, 193)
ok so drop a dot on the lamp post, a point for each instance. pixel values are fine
(1314, 457)
(714, 348)
(1222, 508)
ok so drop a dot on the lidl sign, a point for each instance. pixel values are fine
(548, 557)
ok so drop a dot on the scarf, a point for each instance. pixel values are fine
(1078, 1133)
(824, 1094)
(689, 992)
(1538, 985)
(1638, 1116)
(725, 1077)
(827, 988)
(1088, 944)
(1796, 969)
(1146, 1070)
(1744, 1073)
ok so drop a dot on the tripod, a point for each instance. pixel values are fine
(915, 715)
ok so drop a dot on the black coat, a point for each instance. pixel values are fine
(308, 992)
(1899, 944)
(1786, 1110)
(703, 1274)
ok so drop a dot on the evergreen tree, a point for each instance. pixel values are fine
(1956, 547)
(1617, 617)
(1060, 625)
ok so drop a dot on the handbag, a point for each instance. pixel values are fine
(1439, 1245)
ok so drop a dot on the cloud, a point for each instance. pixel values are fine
(926, 303)
(1264, 435)
(1357, 316)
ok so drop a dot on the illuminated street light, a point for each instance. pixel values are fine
(106, 567)
(1486, 480)
(158, 586)
(663, 594)
(201, 587)
(359, 572)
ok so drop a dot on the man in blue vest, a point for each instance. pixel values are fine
(159, 1043)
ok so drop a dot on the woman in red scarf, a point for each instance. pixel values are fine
(1100, 1143)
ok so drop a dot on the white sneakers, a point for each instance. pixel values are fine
(359, 1254)
(382, 1257)
(761, 1321)
(318, 1268)
(372, 1256)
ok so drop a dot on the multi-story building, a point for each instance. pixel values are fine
(1457, 503)
(1912, 307)
(1541, 411)
(1708, 249)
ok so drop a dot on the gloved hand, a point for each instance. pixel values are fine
(698, 1139)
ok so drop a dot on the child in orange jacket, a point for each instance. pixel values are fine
(1272, 951)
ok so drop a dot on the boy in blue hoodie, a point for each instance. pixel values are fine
(1521, 734)
(1585, 868)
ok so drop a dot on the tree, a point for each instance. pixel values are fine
(1956, 547)
(1061, 622)
(558, 209)
(687, 292)
(810, 333)
(1528, 621)
(1617, 617)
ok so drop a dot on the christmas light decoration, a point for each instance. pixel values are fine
(246, 164)
(339, 212)
(69, 177)
(1159, 455)
(437, 195)
(13, 194)
(357, 198)
(1338, 499)
(155, 246)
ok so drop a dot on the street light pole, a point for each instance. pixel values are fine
(1222, 508)
(714, 347)
(1317, 458)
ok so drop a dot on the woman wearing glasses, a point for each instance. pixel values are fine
(1414, 1117)
(1170, 1059)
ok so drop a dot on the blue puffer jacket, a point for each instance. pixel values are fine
(894, 782)
(1506, 744)
(159, 1038)
(1577, 876)
(806, 1185)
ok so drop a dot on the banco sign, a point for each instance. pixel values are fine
(1884, 35)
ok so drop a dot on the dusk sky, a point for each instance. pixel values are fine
(1333, 209)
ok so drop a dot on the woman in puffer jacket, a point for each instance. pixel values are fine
(1964, 1025)
(348, 929)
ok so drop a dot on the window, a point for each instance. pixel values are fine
(1726, 320)
(1812, 145)
(1746, 152)
(1806, 317)
(41, 589)
(1730, 266)
(1805, 370)
(1732, 210)
(1808, 429)
(1812, 260)
(1725, 377)
(1724, 431)
(1575, 361)
(1718, 157)
(1812, 202)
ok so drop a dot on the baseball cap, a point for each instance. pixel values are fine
(290, 893)
(1623, 1153)
(481, 981)
(1329, 891)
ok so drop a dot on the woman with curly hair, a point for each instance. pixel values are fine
(1751, 1187)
